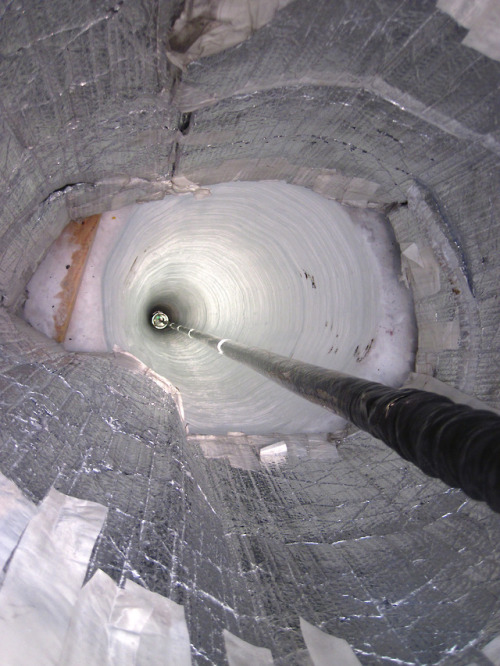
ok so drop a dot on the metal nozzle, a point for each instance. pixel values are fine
(159, 319)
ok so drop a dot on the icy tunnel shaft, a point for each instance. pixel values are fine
(193, 259)
(267, 264)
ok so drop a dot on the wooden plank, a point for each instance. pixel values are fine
(79, 234)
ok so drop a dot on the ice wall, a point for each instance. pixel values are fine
(269, 265)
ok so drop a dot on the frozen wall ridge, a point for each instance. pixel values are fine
(440, 275)
(194, 98)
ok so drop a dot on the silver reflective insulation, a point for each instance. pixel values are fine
(380, 105)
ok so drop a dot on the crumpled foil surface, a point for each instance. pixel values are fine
(375, 104)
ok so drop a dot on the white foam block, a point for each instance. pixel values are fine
(276, 449)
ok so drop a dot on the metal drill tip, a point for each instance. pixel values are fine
(159, 319)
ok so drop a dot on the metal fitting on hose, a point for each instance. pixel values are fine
(159, 319)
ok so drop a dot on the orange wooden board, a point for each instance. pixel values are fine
(80, 235)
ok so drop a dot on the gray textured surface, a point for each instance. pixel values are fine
(364, 547)
(372, 551)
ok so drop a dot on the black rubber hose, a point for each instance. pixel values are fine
(455, 443)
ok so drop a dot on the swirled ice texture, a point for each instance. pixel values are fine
(269, 265)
